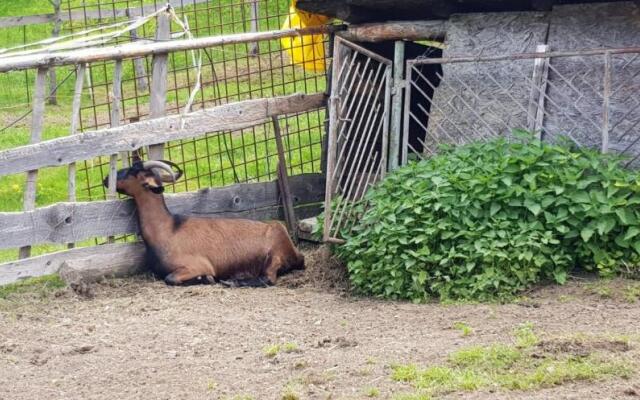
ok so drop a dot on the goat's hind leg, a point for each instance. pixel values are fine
(259, 282)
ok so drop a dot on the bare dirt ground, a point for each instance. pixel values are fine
(139, 339)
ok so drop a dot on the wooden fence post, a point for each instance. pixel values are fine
(37, 123)
(396, 106)
(53, 81)
(138, 64)
(535, 113)
(116, 94)
(254, 46)
(159, 81)
(75, 120)
(283, 183)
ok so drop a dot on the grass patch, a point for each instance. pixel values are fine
(274, 349)
(526, 364)
(465, 329)
(42, 286)
(372, 392)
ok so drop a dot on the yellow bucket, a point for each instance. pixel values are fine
(306, 51)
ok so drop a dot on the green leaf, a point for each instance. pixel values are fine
(626, 216)
(605, 225)
(533, 207)
(631, 233)
(495, 207)
(586, 234)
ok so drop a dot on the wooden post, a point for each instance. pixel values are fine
(334, 109)
(535, 112)
(159, 81)
(53, 81)
(75, 120)
(138, 64)
(254, 46)
(396, 105)
(283, 183)
(37, 123)
(116, 95)
(606, 100)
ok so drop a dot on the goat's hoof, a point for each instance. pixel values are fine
(171, 280)
(209, 279)
(232, 283)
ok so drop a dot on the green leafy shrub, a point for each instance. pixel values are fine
(489, 219)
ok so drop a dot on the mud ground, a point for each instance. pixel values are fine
(139, 339)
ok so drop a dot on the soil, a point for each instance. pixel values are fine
(139, 339)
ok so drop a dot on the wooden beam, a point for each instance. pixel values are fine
(120, 253)
(228, 117)
(397, 30)
(74, 222)
(138, 49)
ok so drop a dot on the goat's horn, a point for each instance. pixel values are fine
(163, 165)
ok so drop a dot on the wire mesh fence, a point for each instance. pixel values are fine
(584, 97)
(230, 73)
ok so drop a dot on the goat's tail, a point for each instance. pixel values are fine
(298, 261)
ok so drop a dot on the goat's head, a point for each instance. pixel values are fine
(145, 176)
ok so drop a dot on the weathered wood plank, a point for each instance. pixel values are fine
(120, 253)
(396, 30)
(37, 124)
(73, 222)
(138, 49)
(233, 116)
(158, 100)
(51, 263)
(97, 267)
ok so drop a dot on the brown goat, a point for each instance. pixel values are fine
(184, 250)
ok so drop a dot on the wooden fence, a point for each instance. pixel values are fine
(76, 221)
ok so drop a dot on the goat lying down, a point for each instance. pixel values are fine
(186, 250)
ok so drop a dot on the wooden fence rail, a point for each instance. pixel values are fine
(73, 222)
(232, 116)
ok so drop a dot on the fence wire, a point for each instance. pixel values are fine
(587, 98)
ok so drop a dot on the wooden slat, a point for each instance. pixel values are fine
(139, 49)
(74, 222)
(119, 252)
(233, 116)
(37, 124)
(158, 95)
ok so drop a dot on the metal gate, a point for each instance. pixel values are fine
(358, 132)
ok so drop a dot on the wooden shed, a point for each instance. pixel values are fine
(558, 68)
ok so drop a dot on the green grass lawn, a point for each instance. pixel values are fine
(214, 160)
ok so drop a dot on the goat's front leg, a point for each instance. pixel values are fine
(187, 276)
